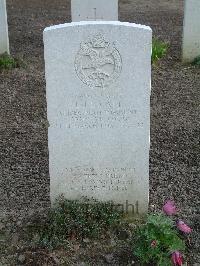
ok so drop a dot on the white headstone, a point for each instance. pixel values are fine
(98, 96)
(191, 30)
(4, 42)
(94, 10)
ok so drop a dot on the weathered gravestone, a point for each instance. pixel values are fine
(191, 30)
(4, 43)
(98, 96)
(94, 10)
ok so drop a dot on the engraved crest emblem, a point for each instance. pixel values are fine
(98, 63)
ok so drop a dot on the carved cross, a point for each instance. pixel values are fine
(95, 15)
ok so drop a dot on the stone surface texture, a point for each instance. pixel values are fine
(191, 31)
(4, 42)
(94, 10)
(98, 98)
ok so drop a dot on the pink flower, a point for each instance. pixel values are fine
(177, 258)
(153, 243)
(169, 208)
(183, 227)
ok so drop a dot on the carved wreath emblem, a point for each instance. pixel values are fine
(98, 63)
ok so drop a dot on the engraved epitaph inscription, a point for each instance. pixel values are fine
(98, 63)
